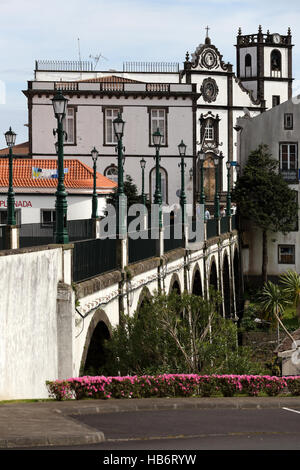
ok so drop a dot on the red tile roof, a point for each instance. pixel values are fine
(110, 79)
(20, 149)
(79, 175)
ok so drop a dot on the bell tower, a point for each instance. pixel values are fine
(264, 65)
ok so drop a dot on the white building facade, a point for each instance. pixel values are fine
(277, 128)
(198, 104)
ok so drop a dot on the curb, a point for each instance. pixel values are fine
(230, 403)
(27, 442)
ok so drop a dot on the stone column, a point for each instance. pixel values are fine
(11, 237)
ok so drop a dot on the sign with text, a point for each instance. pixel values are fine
(42, 173)
(17, 204)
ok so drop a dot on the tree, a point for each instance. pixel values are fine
(176, 334)
(130, 190)
(291, 288)
(265, 198)
(274, 302)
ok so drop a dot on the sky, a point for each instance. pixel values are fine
(123, 30)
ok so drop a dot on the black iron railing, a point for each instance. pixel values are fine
(43, 234)
(234, 222)
(173, 237)
(93, 257)
(224, 224)
(35, 235)
(2, 238)
(141, 248)
(211, 228)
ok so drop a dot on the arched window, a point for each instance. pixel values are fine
(276, 63)
(111, 172)
(248, 66)
(163, 182)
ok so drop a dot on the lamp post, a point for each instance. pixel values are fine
(61, 234)
(228, 200)
(10, 138)
(119, 124)
(201, 156)
(95, 154)
(157, 139)
(182, 165)
(143, 166)
(217, 162)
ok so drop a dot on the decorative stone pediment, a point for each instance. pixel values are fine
(208, 57)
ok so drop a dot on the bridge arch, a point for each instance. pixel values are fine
(197, 282)
(213, 275)
(99, 330)
(226, 286)
(144, 297)
(236, 279)
(175, 284)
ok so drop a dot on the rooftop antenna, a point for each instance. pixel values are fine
(96, 59)
(79, 55)
(79, 50)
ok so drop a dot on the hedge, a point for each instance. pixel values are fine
(170, 385)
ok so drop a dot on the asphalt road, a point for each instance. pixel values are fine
(207, 429)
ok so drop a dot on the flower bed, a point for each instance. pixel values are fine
(171, 385)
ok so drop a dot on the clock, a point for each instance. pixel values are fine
(276, 38)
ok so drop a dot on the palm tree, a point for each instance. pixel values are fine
(291, 283)
(273, 302)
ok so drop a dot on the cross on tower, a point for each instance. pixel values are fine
(207, 29)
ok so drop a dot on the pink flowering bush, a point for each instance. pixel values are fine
(170, 385)
(293, 384)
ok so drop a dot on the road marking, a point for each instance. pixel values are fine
(289, 409)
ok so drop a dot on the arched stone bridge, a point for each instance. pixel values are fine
(102, 298)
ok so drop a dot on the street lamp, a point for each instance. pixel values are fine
(10, 138)
(201, 156)
(59, 103)
(95, 154)
(143, 166)
(157, 140)
(182, 165)
(217, 162)
(228, 201)
(119, 124)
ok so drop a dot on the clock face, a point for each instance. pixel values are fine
(276, 38)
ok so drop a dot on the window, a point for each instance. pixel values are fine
(3, 216)
(164, 185)
(48, 216)
(286, 254)
(248, 66)
(110, 114)
(288, 157)
(69, 126)
(112, 173)
(209, 131)
(275, 63)
(288, 121)
(275, 100)
(158, 120)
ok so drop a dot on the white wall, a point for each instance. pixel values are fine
(28, 322)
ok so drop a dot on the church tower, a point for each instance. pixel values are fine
(264, 65)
